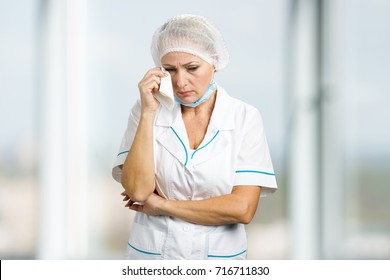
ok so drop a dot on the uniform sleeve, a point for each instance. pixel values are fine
(254, 165)
(127, 141)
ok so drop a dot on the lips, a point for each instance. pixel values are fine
(185, 93)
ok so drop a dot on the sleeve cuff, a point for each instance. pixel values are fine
(254, 177)
(117, 169)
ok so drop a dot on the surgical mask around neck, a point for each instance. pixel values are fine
(211, 88)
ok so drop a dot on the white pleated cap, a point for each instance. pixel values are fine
(191, 34)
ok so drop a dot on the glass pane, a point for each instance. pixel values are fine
(18, 122)
(367, 139)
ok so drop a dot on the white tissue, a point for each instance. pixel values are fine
(165, 94)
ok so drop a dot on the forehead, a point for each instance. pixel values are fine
(181, 58)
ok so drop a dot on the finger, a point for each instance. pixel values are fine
(129, 203)
(151, 81)
(126, 197)
(156, 71)
(155, 75)
(151, 85)
(136, 207)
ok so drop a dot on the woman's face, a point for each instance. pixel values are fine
(190, 74)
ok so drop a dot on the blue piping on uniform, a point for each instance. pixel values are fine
(182, 144)
(204, 145)
(255, 171)
(124, 152)
(149, 253)
(226, 257)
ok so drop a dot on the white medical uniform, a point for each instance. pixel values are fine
(234, 152)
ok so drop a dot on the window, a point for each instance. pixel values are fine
(357, 151)
(19, 139)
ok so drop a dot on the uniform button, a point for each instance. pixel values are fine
(186, 228)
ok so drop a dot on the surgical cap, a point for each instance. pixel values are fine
(190, 34)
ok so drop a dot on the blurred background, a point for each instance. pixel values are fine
(319, 72)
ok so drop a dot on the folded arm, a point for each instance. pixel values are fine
(238, 207)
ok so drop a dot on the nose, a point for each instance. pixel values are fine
(181, 79)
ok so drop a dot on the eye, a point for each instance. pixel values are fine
(192, 68)
(170, 70)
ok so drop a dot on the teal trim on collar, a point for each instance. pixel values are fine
(184, 146)
(205, 144)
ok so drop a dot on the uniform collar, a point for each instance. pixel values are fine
(222, 118)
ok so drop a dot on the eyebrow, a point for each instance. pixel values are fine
(186, 64)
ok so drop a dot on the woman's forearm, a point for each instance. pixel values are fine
(238, 207)
(138, 168)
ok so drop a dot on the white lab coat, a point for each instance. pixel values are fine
(234, 152)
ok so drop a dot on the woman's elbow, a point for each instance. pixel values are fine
(140, 197)
(246, 215)
(246, 219)
(136, 192)
(246, 199)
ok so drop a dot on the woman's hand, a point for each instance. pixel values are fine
(237, 207)
(150, 206)
(149, 85)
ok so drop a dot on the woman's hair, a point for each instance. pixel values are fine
(190, 34)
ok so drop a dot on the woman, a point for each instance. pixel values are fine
(195, 174)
